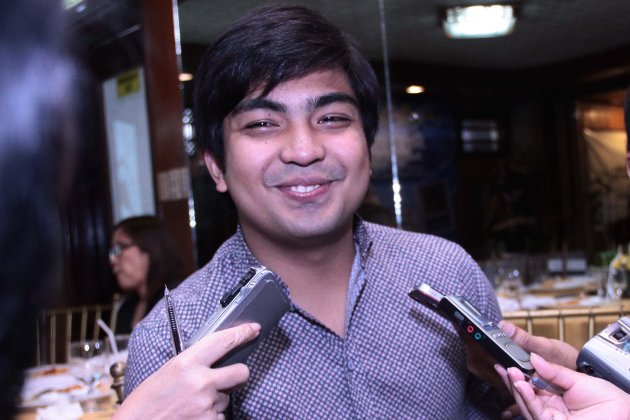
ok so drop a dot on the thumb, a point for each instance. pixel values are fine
(555, 374)
(215, 345)
(521, 337)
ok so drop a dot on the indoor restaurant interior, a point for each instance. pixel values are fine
(512, 145)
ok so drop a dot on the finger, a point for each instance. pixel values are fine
(221, 402)
(514, 375)
(554, 374)
(537, 407)
(503, 375)
(513, 411)
(215, 345)
(527, 400)
(521, 337)
(554, 350)
(229, 377)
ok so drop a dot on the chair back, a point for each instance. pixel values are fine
(57, 327)
(575, 326)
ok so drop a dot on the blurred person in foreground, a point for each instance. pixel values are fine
(585, 397)
(39, 87)
(286, 109)
(36, 81)
(144, 259)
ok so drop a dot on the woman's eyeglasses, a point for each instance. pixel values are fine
(118, 249)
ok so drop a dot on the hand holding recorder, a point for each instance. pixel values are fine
(552, 350)
(485, 341)
(186, 386)
(586, 397)
(257, 297)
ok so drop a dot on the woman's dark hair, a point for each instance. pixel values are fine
(265, 48)
(165, 262)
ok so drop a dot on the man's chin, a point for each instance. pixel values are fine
(309, 234)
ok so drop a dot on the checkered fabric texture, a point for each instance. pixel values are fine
(398, 359)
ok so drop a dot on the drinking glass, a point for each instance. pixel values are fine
(88, 362)
(512, 283)
(617, 283)
(120, 353)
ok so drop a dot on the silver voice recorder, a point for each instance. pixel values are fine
(257, 297)
(607, 355)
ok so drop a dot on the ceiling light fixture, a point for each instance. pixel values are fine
(185, 77)
(480, 21)
(414, 89)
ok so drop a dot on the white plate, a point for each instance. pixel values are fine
(58, 383)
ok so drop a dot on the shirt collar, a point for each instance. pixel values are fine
(360, 235)
(362, 239)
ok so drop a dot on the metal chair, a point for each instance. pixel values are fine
(57, 327)
(574, 326)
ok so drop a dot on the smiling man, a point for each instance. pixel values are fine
(286, 109)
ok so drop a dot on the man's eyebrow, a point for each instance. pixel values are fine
(330, 98)
(258, 103)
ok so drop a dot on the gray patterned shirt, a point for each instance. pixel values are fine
(398, 359)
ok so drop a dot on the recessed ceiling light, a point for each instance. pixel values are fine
(185, 77)
(414, 89)
(481, 21)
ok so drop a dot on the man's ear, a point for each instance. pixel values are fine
(215, 171)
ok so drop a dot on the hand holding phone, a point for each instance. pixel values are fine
(258, 297)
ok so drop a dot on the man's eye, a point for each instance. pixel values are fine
(334, 119)
(259, 124)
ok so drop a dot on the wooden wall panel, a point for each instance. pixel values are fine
(165, 116)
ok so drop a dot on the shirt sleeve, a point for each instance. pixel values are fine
(149, 349)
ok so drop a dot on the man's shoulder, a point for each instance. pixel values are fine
(410, 258)
(390, 239)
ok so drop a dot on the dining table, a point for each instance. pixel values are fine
(53, 392)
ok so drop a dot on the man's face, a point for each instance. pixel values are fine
(297, 164)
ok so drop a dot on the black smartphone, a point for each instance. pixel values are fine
(257, 297)
(485, 332)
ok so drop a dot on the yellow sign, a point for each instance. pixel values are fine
(128, 83)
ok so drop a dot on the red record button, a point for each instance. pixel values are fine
(470, 329)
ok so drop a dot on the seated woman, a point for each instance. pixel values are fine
(144, 259)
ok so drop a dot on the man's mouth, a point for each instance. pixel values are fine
(304, 188)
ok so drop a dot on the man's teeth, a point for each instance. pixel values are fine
(304, 188)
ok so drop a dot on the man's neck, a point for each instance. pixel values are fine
(317, 276)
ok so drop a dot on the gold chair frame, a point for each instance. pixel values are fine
(57, 327)
(572, 325)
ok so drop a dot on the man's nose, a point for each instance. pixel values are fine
(302, 146)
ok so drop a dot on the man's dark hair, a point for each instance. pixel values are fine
(265, 48)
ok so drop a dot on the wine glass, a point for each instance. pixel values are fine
(617, 283)
(88, 362)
